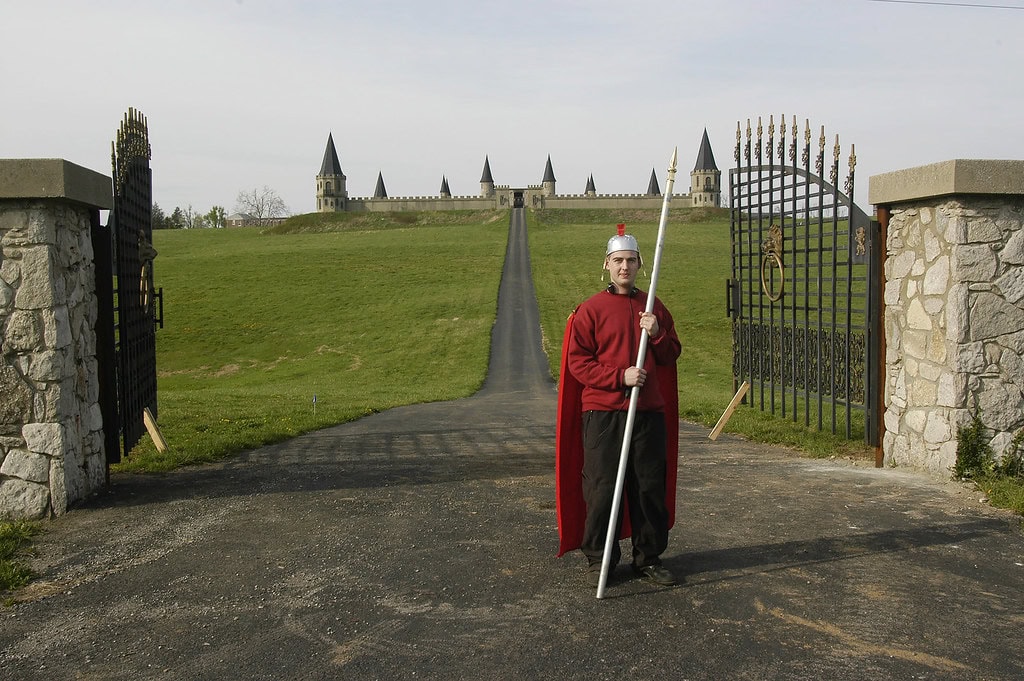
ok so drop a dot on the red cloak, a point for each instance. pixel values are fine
(570, 507)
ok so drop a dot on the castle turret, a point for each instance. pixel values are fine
(548, 183)
(486, 181)
(705, 178)
(331, 193)
(590, 189)
(380, 192)
(446, 193)
(652, 187)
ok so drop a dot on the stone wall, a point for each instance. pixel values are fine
(954, 307)
(504, 197)
(51, 428)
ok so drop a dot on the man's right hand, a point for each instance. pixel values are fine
(635, 376)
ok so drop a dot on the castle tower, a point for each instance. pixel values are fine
(446, 193)
(590, 190)
(380, 192)
(652, 187)
(331, 193)
(486, 181)
(706, 178)
(548, 183)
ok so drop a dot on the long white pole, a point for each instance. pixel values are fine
(634, 393)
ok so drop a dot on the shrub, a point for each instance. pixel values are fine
(1012, 463)
(973, 453)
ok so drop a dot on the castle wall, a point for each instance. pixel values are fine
(423, 203)
(610, 201)
(505, 198)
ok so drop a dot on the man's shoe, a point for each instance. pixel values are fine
(658, 574)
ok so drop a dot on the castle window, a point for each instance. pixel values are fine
(327, 187)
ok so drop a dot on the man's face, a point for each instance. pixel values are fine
(623, 267)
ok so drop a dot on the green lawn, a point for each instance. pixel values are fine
(364, 319)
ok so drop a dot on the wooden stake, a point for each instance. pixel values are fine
(154, 430)
(717, 430)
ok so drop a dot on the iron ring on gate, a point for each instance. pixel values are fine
(145, 295)
(768, 257)
(772, 248)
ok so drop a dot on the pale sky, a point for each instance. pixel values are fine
(243, 93)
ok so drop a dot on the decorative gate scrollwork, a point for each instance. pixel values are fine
(804, 293)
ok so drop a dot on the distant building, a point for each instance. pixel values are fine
(246, 220)
(705, 178)
(332, 194)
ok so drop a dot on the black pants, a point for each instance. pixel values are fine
(644, 485)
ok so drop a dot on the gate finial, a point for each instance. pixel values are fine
(739, 137)
(792, 142)
(834, 173)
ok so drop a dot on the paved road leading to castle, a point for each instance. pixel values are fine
(420, 543)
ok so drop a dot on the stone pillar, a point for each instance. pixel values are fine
(954, 306)
(51, 429)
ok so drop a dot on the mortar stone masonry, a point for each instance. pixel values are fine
(51, 428)
(954, 326)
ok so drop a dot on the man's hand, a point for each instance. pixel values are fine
(649, 322)
(635, 376)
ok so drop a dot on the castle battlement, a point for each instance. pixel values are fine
(618, 196)
(331, 194)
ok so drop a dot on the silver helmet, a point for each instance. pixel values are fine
(622, 242)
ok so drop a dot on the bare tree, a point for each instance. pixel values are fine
(191, 219)
(260, 204)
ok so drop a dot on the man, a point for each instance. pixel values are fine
(599, 351)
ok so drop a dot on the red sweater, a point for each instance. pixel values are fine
(604, 342)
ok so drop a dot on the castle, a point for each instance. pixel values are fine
(332, 194)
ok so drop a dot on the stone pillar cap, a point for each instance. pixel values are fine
(54, 178)
(959, 176)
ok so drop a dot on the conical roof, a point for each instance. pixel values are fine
(590, 186)
(380, 192)
(549, 174)
(652, 188)
(331, 164)
(486, 177)
(705, 159)
(445, 191)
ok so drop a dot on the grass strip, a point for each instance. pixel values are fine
(14, 539)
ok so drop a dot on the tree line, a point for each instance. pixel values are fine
(256, 204)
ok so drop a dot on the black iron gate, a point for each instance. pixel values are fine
(126, 329)
(804, 297)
